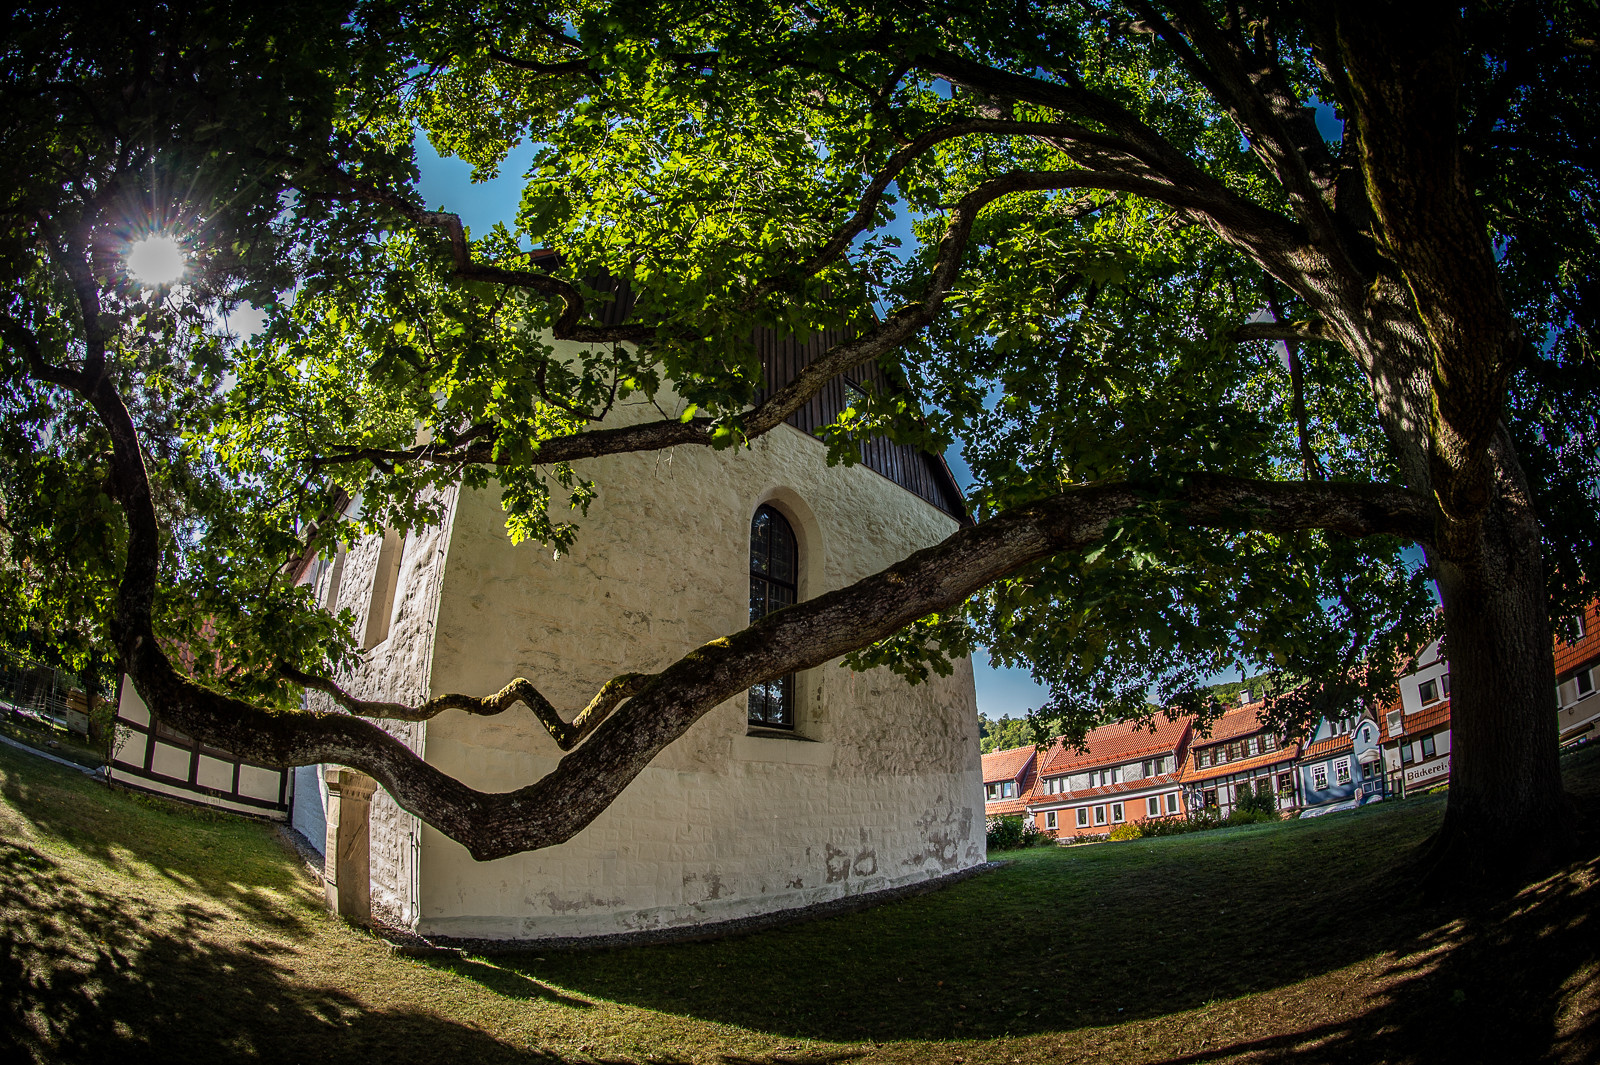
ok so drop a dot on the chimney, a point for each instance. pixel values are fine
(1244, 697)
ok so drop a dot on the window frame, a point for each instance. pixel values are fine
(782, 692)
(1319, 777)
(1118, 813)
(1083, 817)
(1099, 816)
(1152, 806)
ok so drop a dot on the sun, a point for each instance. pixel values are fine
(156, 260)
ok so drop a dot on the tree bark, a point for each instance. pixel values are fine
(1508, 818)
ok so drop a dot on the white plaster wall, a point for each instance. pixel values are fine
(885, 788)
(396, 669)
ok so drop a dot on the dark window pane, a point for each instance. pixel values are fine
(774, 564)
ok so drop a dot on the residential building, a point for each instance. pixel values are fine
(1239, 750)
(1125, 773)
(1007, 778)
(1342, 766)
(1577, 677)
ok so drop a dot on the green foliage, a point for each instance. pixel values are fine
(1012, 832)
(1004, 734)
(1124, 832)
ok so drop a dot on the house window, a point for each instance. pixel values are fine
(1083, 817)
(1428, 690)
(1116, 812)
(1172, 802)
(1202, 758)
(1152, 806)
(1099, 815)
(774, 577)
(1341, 771)
(1050, 820)
(1444, 682)
(1394, 722)
(1585, 681)
(1269, 742)
(1253, 746)
(1286, 783)
(1405, 754)
(1210, 798)
(1116, 775)
(1427, 747)
(1319, 778)
(1366, 733)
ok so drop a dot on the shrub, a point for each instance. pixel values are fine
(1126, 832)
(1010, 832)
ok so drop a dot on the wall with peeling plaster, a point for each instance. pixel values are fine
(882, 787)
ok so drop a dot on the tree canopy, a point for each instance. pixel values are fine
(1231, 306)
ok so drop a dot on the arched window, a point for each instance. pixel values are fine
(774, 577)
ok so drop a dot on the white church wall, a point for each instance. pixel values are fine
(397, 668)
(881, 789)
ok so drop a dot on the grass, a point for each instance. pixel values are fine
(132, 929)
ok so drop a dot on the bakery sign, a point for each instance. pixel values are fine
(1428, 772)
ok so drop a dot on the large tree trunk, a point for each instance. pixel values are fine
(1508, 818)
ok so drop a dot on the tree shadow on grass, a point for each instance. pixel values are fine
(91, 976)
(215, 854)
(1097, 936)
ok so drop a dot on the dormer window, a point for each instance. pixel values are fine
(1428, 692)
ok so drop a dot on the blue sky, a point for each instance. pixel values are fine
(446, 183)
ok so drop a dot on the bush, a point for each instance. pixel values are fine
(1010, 832)
(1126, 832)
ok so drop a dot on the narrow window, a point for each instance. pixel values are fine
(1405, 754)
(1427, 747)
(1116, 775)
(1099, 815)
(1210, 798)
(1083, 817)
(774, 579)
(1172, 802)
(1319, 778)
(1269, 742)
(1050, 820)
(330, 600)
(1152, 807)
(1341, 771)
(1116, 812)
(380, 608)
(1585, 682)
(1253, 746)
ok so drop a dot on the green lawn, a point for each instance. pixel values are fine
(137, 930)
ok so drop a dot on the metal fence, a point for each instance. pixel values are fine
(43, 692)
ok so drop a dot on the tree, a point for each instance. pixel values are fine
(1118, 211)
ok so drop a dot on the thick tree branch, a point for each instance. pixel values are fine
(1163, 173)
(520, 690)
(663, 706)
(1297, 331)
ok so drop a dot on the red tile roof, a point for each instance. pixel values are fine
(1040, 801)
(1330, 746)
(1000, 807)
(1433, 717)
(1117, 742)
(1240, 721)
(1571, 656)
(1192, 774)
(1008, 764)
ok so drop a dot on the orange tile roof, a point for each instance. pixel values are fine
(1193, 774)
(1041, 801)
(1001, 807)
(1435, 716)
(1117, 742)
(1330, 746)
(1572, 656)
(1240, 721)
(1008, 764)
